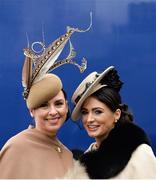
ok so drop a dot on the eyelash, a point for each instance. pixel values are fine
(84, 112)
(44, 105)
(59, 103)
(96, 112)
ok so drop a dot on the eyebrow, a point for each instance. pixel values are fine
(96, 108)
(59, 100)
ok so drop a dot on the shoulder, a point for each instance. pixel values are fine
(68, 152)
(143, 155)
(16, 141)
(14, 149)
(142, 164)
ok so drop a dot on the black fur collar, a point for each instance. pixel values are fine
(114, 152)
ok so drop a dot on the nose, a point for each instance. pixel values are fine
(90, 118)
(52, 110)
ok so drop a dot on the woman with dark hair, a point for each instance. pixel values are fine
(121, 148)
(37, 152)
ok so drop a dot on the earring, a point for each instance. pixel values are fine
(116, 120)
(31, 114)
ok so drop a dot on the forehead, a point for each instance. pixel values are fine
(92, 102)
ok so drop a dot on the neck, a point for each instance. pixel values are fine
(52, 135)
(100, 139)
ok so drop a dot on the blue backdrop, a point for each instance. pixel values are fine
(123, 34)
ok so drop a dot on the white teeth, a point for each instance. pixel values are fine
(92, 126)
(52, 118)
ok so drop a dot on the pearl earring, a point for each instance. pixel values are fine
(116, 120)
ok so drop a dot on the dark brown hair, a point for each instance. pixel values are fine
(112, 99)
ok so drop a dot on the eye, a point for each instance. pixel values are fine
(44, 105)
(59, 103)
(83, 112)
(98, 111)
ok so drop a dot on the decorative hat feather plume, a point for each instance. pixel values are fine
(37, 65)
(27, 72)
(112, 80)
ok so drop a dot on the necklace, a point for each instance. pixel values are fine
(57, 145)
(47, 139)
(58, 149)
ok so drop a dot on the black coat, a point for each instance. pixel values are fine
(114, 152)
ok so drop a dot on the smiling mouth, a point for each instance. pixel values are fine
(53, 120)
(93, 127)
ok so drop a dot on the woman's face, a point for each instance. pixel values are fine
(50, 116)
(97, 118)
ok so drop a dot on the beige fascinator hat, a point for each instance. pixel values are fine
(39, 85)
(44, 90)
(92, 83)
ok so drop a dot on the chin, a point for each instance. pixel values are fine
(91, 134)
(53, 129)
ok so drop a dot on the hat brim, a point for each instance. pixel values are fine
(90, 90)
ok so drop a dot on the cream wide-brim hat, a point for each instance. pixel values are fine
(43, 90)
(87, 87)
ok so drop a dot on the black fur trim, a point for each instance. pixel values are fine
(114, 152)
(77, 153)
